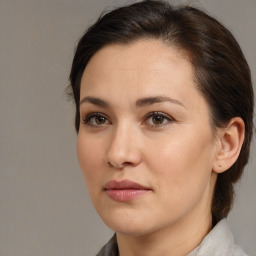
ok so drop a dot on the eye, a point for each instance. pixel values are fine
(157, 119)
(96, 119)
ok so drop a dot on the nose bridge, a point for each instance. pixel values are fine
(124, 146)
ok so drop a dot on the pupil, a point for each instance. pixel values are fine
(158, 119)
(100, 119)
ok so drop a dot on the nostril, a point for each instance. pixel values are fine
(127, 163)
(110, 165)
(119, 166)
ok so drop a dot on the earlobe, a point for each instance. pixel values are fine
(230, 141)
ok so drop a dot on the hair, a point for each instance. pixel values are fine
(221, 71)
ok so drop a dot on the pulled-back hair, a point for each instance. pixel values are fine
(221, 72)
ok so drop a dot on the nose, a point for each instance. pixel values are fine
(124, 148)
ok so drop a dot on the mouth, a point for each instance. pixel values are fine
(124, 191)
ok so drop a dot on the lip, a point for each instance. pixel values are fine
(125, 190)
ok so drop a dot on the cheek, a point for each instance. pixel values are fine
(89, 157)
(182, 174)
(182, 161)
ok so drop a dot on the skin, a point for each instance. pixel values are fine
(175, 158)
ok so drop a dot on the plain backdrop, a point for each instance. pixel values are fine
(45, 208)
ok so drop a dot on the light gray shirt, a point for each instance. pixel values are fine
(218, 242)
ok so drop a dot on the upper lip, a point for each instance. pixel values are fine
(124, 184)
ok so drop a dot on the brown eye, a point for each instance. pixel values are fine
(100, 120)
(157, 119)
(96, 119)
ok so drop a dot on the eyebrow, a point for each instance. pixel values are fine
(157, 99)
(94, 101)
(139, 103)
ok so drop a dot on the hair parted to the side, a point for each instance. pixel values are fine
(221, 71)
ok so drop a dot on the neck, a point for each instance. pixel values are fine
(177, 240)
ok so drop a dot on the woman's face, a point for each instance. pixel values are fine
(145, 144)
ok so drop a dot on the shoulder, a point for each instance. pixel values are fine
(237, 251)
(218, 242)
(110, 248)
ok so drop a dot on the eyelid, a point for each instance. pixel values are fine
(155, 113)
(88, 116)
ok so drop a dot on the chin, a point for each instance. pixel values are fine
(129, 229)
(126, 222)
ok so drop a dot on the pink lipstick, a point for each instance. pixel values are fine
(125, 190)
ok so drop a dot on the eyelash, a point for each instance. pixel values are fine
(166, 118)
(87, 119)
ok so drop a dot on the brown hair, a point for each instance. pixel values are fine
(221, 71)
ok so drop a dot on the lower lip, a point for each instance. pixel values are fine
(124, 195)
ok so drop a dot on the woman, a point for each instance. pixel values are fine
(164, 107)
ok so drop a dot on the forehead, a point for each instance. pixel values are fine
(144, 57)
(143, 53)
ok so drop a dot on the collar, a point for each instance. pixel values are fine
(218, 242)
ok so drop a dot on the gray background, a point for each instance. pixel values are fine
(45, 209)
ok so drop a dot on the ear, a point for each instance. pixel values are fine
(229, 143)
